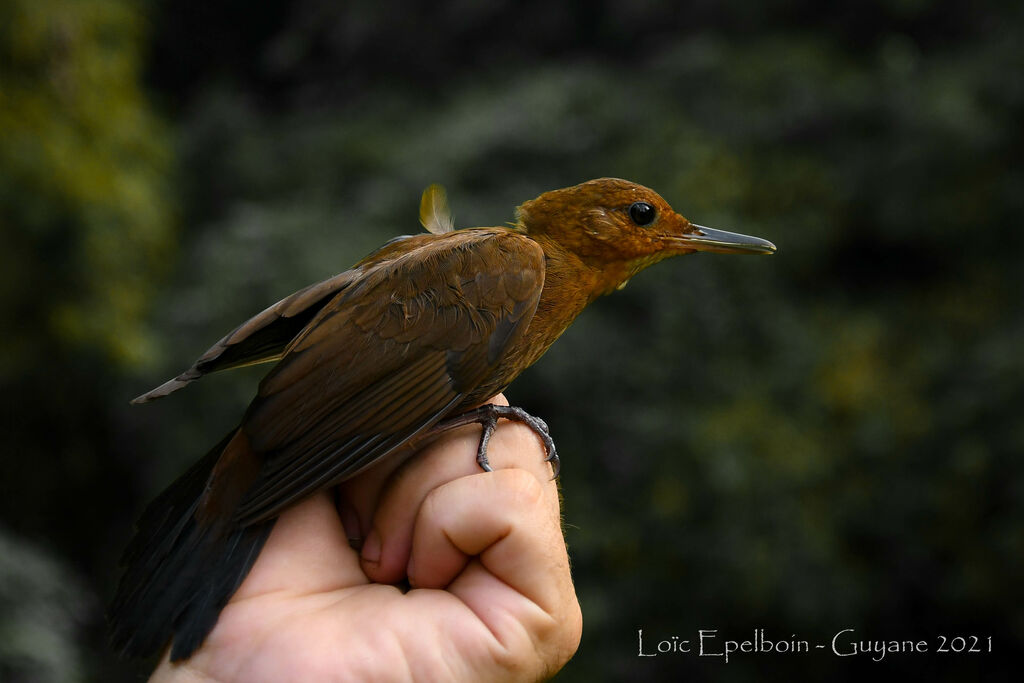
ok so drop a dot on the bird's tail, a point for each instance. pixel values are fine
(178, 572)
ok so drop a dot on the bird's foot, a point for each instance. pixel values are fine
(487, 416)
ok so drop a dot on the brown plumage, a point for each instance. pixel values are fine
(425, 328)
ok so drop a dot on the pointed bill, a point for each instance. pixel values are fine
(720, 241)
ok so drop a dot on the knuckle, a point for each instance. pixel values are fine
(521, 486)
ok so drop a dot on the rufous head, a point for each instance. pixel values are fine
(612, 220)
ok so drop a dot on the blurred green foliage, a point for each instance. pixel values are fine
(42, 607)
(83, 166)
(87, 231)
(825, 439)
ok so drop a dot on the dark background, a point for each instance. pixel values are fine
(830, 438)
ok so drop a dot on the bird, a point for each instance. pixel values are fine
(373, 363)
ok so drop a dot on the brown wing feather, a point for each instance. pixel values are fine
(392, 354)
(263, 337)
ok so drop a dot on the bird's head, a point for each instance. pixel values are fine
(622, 227)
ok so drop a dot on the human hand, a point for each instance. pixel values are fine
(491, 594)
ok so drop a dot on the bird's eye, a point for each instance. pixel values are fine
(642, 213)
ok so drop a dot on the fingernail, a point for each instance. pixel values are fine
(371, 548)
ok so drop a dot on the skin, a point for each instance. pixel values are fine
(492, 595)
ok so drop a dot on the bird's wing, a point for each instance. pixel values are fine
(386, 359)
(263, 337)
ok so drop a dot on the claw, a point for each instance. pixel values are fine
(485, 438)
(487, 416)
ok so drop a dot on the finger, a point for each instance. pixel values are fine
(495, 541)
(387, 549)
(358, 498)
(307, 552)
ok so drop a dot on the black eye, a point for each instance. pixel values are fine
(642, 213)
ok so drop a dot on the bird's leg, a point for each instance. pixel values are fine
(487, 416)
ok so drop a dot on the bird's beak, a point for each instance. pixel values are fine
(709, 239)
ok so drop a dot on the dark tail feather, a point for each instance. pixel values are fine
(178, 573)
